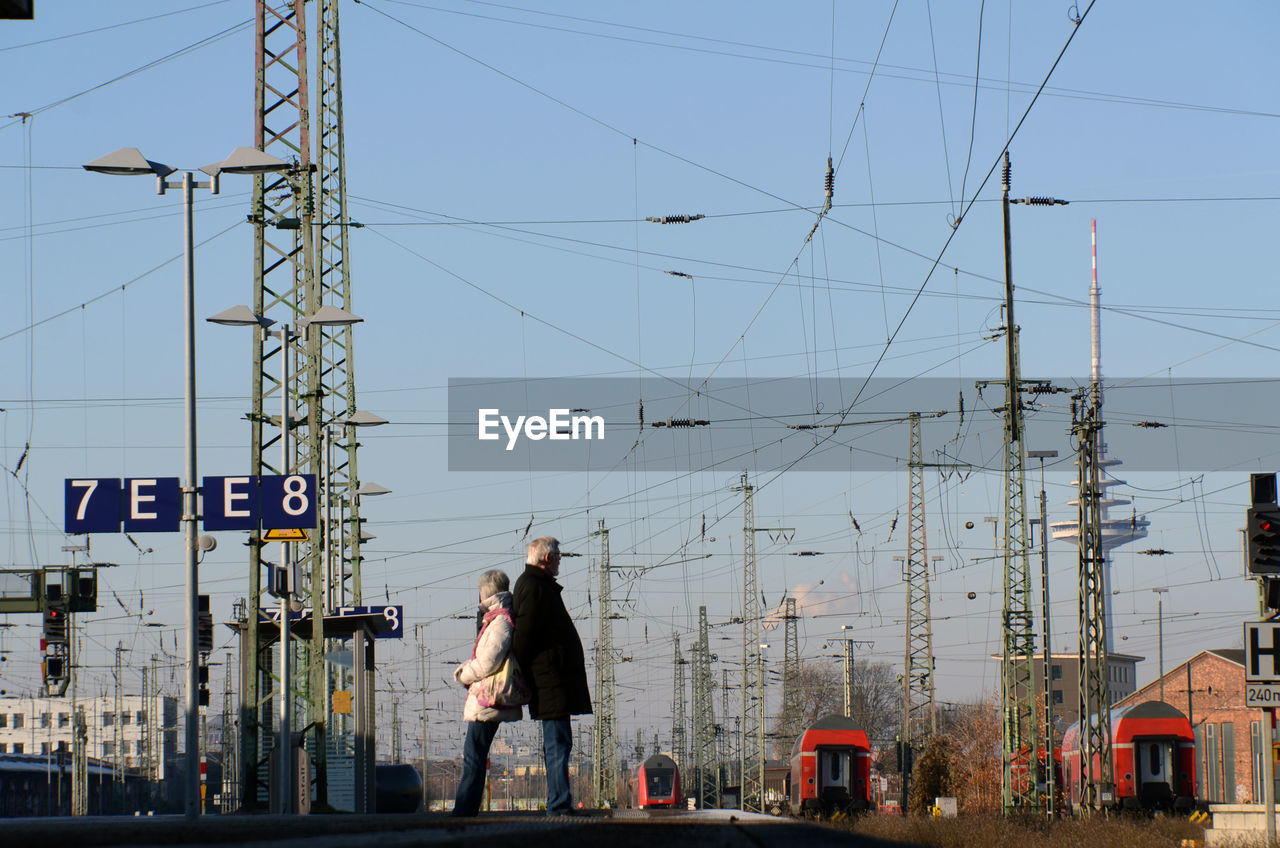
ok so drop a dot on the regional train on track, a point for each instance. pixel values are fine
(1152, 754)
(655, 784)
(830, 769)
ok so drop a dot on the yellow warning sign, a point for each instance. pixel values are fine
(342, 701)
(294, 535)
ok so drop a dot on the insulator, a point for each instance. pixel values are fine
(831, 179)
(1040, 201)
(1007, 174)
(675, 219)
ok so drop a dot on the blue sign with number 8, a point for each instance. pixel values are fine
(288, 502)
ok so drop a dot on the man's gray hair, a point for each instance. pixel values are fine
(492, 582)
(541, 549)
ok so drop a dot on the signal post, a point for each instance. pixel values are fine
(1262, 638)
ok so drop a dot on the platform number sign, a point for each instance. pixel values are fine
(288, 502)
(136, 505)
(142, 504)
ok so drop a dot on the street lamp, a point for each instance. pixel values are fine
(129, 161)
(326, 316)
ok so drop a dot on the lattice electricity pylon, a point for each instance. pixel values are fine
(1095, 693)
(605, 764)
(283, 277)
(791, 721)
(679, 729)
(1021, 743)
(704, 720)
(752, 744)
(336, 348)
(918, 714)
(751, 752)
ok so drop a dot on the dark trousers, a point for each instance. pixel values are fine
(557, 742)
(475, 766)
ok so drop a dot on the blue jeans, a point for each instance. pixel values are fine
(557, 742)
(475, 765)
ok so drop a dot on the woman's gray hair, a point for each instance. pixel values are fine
(541, 549)
(492, 582)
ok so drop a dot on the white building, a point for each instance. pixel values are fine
(132, 737)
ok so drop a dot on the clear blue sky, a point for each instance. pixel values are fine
(556, 131)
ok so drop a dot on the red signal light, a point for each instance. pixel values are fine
(1266, 525)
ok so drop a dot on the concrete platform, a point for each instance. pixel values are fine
(625, 829)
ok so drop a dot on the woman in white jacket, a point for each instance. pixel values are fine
(493, 643)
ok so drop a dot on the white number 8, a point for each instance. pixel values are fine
(296, 501)
(392, 614)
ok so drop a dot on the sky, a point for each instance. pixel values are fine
(502, 160)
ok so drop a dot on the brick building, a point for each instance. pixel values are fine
(1230, 739)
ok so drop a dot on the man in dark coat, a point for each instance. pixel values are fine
(547, 646)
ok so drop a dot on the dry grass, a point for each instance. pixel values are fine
(996, 832)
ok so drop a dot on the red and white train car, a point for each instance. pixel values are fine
(655, 784)
(1152, 754)
(830, 768)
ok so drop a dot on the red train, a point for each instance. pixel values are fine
(1152, 753)
(655, 784)
(830, 768)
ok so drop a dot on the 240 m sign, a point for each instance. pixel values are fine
(1262, 695)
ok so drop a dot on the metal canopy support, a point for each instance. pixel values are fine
(1021, 744)
(918, 714)
(1095, 693)
(605, 771)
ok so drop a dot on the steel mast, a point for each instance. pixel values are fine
(1020, 754)
(605, 771)
(918, 714)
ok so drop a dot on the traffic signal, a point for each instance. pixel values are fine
(206, 624)
(1263, 531)
(55, 623)
(203, 691)
(54, 668)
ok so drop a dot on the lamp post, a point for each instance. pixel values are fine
(325, 316)
(129, 161)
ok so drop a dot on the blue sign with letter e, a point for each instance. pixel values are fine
(231, 503)
(151, 504)
(91, 505)
(289, 502)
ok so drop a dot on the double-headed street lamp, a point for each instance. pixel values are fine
(129, 161)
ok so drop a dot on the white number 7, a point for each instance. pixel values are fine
(89, 486)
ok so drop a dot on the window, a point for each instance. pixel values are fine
(142, 717)
(62, 745)
(17, 748)
(4, 749)
(4, 719)
(17, 722)
(108, 748)
(46, 719)
(1056, 671)
(124, 718)
(1057, 696)
(44, 747)
(108, 719)
(64, 719)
